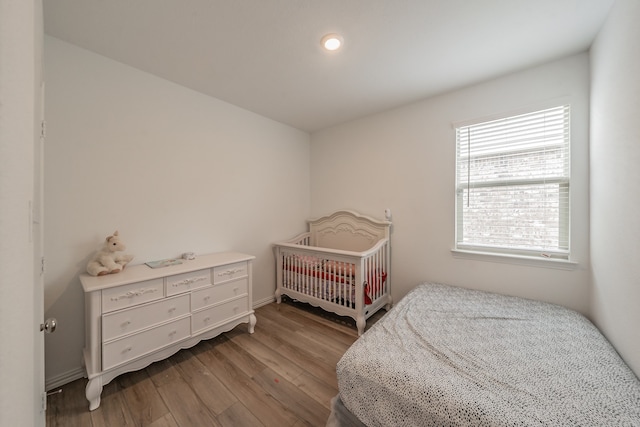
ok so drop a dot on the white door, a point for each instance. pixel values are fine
(37, 236)
(21, 352)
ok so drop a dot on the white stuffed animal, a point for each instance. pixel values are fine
(109, 258)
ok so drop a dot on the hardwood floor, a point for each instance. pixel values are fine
(282, 375)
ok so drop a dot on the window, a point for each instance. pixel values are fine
(512, 185)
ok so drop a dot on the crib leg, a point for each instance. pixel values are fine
(389, 303)
(361, 323)
(278, 296)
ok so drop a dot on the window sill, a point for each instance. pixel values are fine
(562, 264)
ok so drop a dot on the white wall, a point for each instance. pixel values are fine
(615, 176)
(173, 170)
(404, 159)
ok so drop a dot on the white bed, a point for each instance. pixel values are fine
(342, 264)
(449, 356)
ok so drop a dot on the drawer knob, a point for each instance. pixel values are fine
(127, 349)
(126, 323)
(206, 319)
(172, 309)
(172, 333)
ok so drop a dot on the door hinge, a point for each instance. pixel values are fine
(42, 266)
(43, 129)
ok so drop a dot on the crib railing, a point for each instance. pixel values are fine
(343, 278)
(376, 268)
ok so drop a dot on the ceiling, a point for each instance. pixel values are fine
(265, 55)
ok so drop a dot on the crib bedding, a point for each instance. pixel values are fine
(332, 273)
(451, 356)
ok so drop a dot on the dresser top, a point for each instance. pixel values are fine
(141, 272)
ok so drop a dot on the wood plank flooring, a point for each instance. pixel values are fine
(282, 375)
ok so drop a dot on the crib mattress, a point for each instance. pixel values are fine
(452, 356)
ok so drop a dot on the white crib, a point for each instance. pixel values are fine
(342, 264)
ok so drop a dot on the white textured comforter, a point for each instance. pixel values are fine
(452, 356)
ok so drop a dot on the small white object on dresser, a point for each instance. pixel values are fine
(144, 315)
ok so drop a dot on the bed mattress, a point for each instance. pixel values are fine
(447, 356)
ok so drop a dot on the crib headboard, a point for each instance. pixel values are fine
(348, 231)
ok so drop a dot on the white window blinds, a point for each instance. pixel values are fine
(512, 184)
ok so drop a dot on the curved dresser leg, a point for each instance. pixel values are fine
(93, 392)
(252, 323)
(360, 324)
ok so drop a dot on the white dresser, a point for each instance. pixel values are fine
(143, 315)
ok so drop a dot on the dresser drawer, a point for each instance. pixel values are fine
(124, 349)
(218, 293)
(133, 294)
(213, 316)
(188, 281)
(228, 272)
(130, 320)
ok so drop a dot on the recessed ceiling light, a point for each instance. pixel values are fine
(331, 41)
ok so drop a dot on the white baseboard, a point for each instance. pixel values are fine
(64, 378)
(265, 301)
